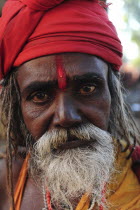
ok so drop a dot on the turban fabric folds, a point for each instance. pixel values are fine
(35, 28)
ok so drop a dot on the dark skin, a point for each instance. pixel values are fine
(45, 106)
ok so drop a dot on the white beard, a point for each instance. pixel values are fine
(72, 172)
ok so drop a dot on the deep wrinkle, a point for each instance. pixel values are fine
(61, 74)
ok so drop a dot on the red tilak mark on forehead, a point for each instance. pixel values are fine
(61, 74)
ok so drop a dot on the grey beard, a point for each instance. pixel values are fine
(72, 172)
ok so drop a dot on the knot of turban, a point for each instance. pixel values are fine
(35, 28)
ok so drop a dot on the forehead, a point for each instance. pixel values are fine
(75, 64)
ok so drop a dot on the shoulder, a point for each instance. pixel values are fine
(17, 164)
(2, 169)
(136, 162)
(3, 190)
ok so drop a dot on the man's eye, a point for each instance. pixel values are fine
(87, 89)
(39, 97)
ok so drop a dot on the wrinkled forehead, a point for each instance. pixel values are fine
(62, 67)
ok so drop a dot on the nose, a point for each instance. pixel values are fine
(66, 112)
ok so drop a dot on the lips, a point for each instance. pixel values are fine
(71, 144)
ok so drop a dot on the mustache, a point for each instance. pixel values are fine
(53, 139)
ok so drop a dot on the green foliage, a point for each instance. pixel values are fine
(133, 8)
(132, 18)
(1, 5)
(136, 62)
(136, 36)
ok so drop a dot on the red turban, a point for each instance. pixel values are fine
(35, 28)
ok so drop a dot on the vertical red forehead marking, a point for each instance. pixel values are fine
(61, 74)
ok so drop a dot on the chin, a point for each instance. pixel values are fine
(71, 172)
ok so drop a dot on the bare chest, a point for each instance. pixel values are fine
(32, 198)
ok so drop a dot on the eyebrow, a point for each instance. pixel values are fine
(38, 85)
(88, 77)
(41, 85)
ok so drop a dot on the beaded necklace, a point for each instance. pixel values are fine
(47, 200)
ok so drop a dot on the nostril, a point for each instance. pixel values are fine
(66, 113)
(67, 122)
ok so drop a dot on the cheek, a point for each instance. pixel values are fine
(35, 119)
(98, 112)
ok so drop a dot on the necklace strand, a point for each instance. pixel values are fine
(44, 198)
(47, 201)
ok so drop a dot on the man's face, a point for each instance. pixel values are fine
(65, 102)
(85, 97)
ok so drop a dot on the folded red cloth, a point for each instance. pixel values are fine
(35, 28)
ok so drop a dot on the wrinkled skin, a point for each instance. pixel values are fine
(45, 106)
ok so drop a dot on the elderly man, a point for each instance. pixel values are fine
(70, 136)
